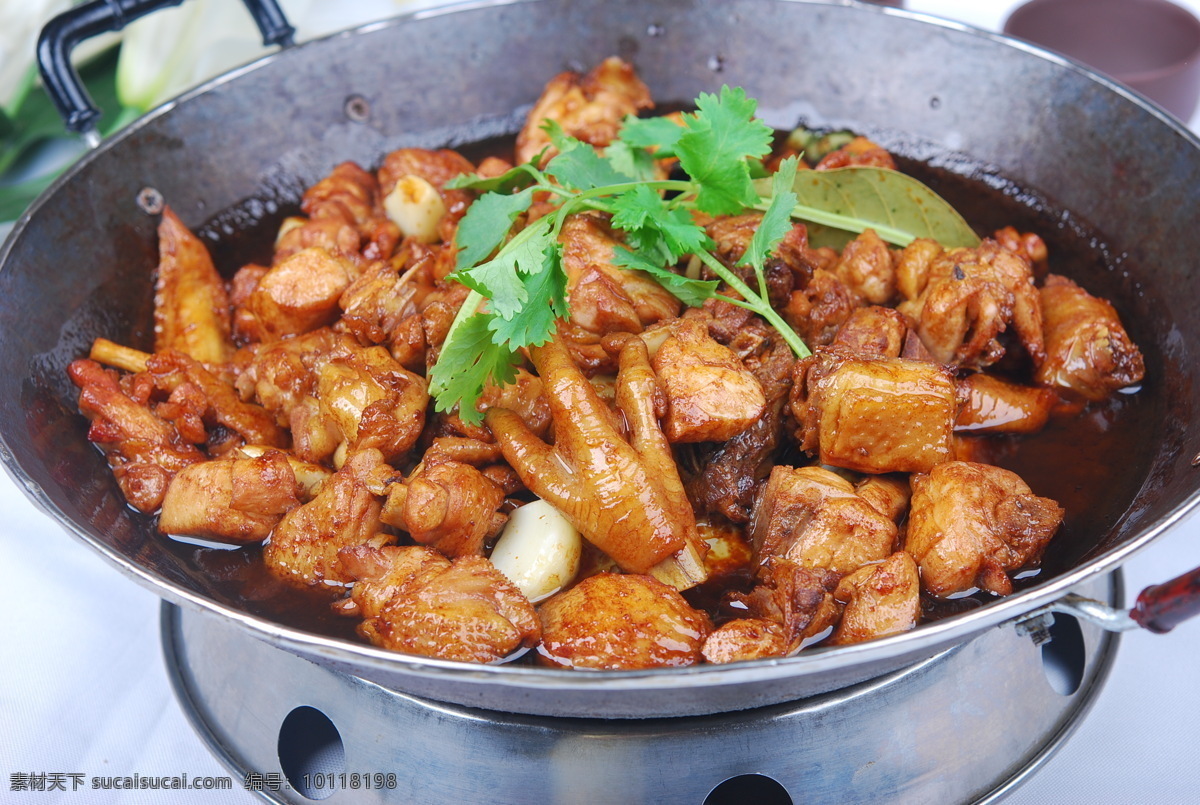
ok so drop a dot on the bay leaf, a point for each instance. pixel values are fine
(838, 204)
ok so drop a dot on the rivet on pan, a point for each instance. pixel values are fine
(716, 63)
(150, 201)
(654, 29)
(935, 102)
(357, 108)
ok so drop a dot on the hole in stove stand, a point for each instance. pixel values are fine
(756, 788)
(311, 752)
(1064, 655)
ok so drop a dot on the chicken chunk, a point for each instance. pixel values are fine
(615, 621)
(877, 415)
(880, 600)
(447, 505)
(872, 331)
(604, 298)
(303, 549)
(191, 306)
(746, 639)
(993, 405)
(300, 293)
(819, 309)
(624, 496)
(728, 475)
(813, 518)
(345, 217)
(1087, 349)
(143, 450)
(859, 151)
(230, 500)
(711, 397)
(415, 600)
(590, 108)
(964, 299)
(972, 524)
(866, 268)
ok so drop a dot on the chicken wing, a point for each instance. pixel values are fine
(191, 306)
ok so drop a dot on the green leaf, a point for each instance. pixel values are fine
(487, 223)
(777, 220)
(635, 162)
(511, 181)
(499, 278)
(578, 165)
(643, 213)
(898, 207)
(660, 133)
(546, 293)
(691, 292)
(714, 150)
(469, 360)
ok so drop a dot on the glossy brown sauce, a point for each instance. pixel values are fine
(1092, 464)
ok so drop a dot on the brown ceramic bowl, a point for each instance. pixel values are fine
(1151, 46)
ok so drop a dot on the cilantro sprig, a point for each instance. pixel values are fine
(518, 285)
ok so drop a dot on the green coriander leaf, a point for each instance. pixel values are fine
(689, 291)
(644, 214)
(546, 293)
(714, 150)
(486, 224)
(635, 162)
(578, 165)
(513, 179)
(660, 133)
(469, 360)
(777, 220)
(499, 278)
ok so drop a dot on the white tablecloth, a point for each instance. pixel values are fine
(83, 690)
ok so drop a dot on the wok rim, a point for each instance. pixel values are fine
(925, 639)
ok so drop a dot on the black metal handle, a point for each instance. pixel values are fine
(64, 32)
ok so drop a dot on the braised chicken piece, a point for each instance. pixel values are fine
(963, 300)
(624, 496)
(1088, 351)
(727, 476)
(880, 600)
(191, 306)
(415, 600)
(888, 494)
(814, 518)
(997, 406)
(818, 310)
(404, 179)
(214, 403)
(604, 298)
(589, 108)
(303, 549)
(790, 606)
(1027, 244)
(300, 293)
(711, 397)
(236, 500)
(345, 217)
(874, 415)
(620, 622)
(143, 450)
(867, 269)
(447, 505)
(378, 302)
(859, 151)
(873, 331)
(790, 265)
(971, 525)
(337, 396)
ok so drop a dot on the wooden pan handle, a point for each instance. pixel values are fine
(1162, 607)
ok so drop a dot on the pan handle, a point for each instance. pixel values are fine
(60, 36)
(1159, 608)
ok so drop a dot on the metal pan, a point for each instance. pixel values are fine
(238, 150)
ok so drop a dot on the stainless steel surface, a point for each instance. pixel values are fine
(1096, 612)
(78, 264)
(966, 725)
